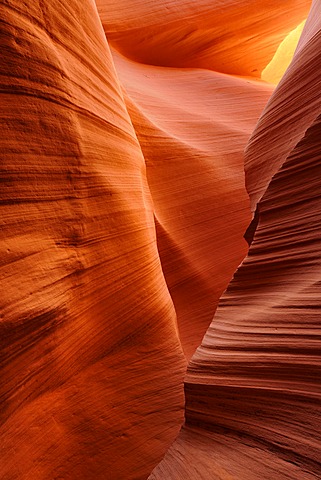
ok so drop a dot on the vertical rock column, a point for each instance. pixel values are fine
(88, 329)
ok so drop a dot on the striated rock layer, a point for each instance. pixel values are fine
(236, 37)
(123, 207)
(253, 396)
(88, 328)
(192, 126)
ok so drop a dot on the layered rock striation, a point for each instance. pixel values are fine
(123, 207)
(252, 388)
(88, 328)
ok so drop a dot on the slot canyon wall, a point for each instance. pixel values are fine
(123, 209)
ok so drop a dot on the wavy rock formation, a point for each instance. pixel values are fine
(253, 393)
(88, 328)
(282, 128)
(123, 209)
(236, 37)
(192, 127)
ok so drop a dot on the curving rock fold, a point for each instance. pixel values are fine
(88, 328)
(235, 37)
(123, 207)
(252, 388)
(194, 162)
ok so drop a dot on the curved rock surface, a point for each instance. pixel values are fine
(253, 392)
(123, 207)
(192, 127)
(88, 328)
(236, 37)
(282, 128)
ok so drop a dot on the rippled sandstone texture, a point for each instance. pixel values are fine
(88, 328)
(253, 392)
(122, 213)
(193, 125)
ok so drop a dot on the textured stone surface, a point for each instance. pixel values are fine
(252, 389)
(237, 37)
(123, 207)
(192, 127)
(88, 328)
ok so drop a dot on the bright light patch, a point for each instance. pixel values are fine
(274, 71)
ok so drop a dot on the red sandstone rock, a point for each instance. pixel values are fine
(253, 396)
(122, 205)
(88, 328)
(192, 127)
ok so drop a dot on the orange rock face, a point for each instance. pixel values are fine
(252, 388)
(88, 327)
(123, 209)
(194, 162)
(236, 37)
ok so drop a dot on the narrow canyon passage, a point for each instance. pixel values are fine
(138, 139)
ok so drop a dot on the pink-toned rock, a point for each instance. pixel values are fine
(192, 126)
(253, 396)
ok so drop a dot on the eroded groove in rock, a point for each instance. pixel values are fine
(252, 390)
(88, 328)
(193, 126)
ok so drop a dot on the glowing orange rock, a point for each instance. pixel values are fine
(88, 328)
(236, 37)
(253, 397)
(122, 204)
(192, 128)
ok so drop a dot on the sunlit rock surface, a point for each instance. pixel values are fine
(230, 36)
(88, 328)
(123, 207)
(253, 397)
(275, 70)
(192, 126)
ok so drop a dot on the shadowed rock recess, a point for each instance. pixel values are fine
(138, 144)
